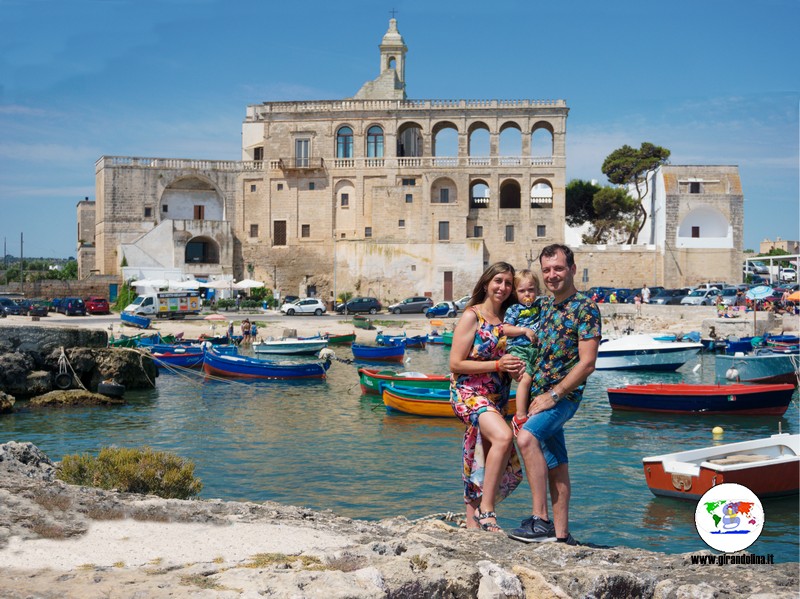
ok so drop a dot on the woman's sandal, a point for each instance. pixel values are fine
(487, 526)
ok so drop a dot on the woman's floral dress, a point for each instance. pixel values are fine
(473, 394)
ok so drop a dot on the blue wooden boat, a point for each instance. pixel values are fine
(684, 398)
(416, 341)
(236, 366)
(141, 322)
(386, 353)
(183, 357)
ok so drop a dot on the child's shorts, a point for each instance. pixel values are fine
(527, 353)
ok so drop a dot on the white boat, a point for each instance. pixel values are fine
(643, 352)
(769, 467)
(290, 346)
(765, 366)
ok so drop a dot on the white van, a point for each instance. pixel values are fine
(165, 304)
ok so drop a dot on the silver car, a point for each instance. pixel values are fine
(411, 304)
(308, 305)
(701, 297)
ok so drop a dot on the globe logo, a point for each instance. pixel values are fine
(729, 517)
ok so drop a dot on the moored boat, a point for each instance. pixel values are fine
(643, 352)
(346, 339)
(415, 341)
(237, 366)
(371, 379)
(770, 467)
(445, 338)
(178, 357)
(764, 366)
(289, 346)
(141, 322)
(362, 322)
(371, 353)
(426, 402)
(684, 398)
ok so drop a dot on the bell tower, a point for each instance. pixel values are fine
(393, 52)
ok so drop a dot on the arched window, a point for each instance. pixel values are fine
(375, 142)
(479, 194)
(344, 143)
(202, 250)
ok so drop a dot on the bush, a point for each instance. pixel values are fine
(133, 471)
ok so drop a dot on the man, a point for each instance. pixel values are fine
(568, 338)
(645, 294)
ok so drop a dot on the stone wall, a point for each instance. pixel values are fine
(99, 285)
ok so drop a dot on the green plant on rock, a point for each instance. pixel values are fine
(133, 470)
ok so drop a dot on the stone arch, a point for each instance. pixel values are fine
(344, 142)
(201, 250)
(542, 140)
(479, 194)
(191, 198)
(479, 141)
(346, 187)
(444, 191)
(409, 140)
(509, 145)
(445, 139)
(541, 194)
(510, 196)
(704, 226)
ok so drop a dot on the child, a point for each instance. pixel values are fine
(525, 314)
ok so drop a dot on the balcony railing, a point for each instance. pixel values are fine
(433, 162)
(301, 164)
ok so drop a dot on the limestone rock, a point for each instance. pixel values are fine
(6, 402)
(73, 397)
(26, 459)
(14, 369)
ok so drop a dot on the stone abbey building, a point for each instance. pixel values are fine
(384, 196)
(375, 194)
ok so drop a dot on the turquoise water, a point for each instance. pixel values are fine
(322, 444)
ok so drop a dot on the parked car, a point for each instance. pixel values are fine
(446, 309)
(72, 306)
(598, 294)
(309, 305)
(360, 304)
(623, 293)
(461, 303)
(411, 304)
(701, 297)
(97, 305)
(54, 304)
(655, 290)
(670, 297)
(10, 307)
(33, 307)
(788, 274)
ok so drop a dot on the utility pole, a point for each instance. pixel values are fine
(21, 267)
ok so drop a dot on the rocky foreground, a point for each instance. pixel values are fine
(59, 540)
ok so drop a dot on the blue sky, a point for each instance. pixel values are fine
(714, 81)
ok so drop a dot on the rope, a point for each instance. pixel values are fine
(63, 364)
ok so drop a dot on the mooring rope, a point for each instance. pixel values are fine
(63, 364)
(456, 518)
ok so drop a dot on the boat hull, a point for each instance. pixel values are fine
(371, 379)
(425, 402)
(294, 347)
(736, 399)
(253, 368)
(769, 467)
(766, 368)
(387, 353)
(665, 359)
(141, 322)
(182, 360)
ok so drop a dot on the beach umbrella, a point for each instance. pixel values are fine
(218, 284)
(191, 284)
(215, 317)
(759, 293)
(794, 297)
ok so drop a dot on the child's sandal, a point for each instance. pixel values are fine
(487, 526)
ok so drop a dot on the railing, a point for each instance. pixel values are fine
(301, 163)
(255, 111)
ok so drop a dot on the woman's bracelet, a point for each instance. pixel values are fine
(497, 365)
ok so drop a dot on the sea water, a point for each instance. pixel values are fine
(324, 445)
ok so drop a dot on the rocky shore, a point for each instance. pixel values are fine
(58, 540)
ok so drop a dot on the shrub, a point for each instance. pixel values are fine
(134, 471)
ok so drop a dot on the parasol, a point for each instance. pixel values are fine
(248, 284)
(794, 297)
(215, 317)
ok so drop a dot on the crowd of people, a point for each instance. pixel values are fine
(549, 345)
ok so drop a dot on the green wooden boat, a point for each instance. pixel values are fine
(362, 322)
(347, 339)
(371, 379)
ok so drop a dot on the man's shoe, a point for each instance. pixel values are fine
(534, 530)
(568, 540)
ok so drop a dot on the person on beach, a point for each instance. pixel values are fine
(245, 331)
(645, 294)
(637, 301)
(568, 338)
(480, 382)
(230, 331)
(253, 332)
(524, 314)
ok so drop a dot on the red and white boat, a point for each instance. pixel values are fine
(769, 467)
(685, 398)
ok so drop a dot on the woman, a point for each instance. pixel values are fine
(480, 381)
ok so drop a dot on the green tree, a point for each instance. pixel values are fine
(629, 166)
(579, 202)
(615, 216)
